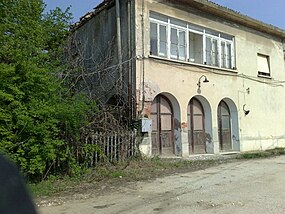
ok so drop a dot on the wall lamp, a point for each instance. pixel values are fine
(246, 112)
(199, 81)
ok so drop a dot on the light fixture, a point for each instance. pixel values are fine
(246, 112)
(199, 81)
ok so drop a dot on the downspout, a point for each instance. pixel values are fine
(129, 64)
(119, 44)
(133, 62)
(143, 58)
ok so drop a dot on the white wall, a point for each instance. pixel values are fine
(264, 127)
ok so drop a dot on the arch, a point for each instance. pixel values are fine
(165, 107)
(205, 118)
(225, 105)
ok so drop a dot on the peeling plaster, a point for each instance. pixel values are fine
(151, 90)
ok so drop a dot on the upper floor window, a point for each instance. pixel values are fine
(226, 54)
(176, 39)
(195, 48)
(263, 65)
(178, 44)
(212, 52)
(158, 39)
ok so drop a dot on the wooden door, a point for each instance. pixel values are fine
(162, 127)
(224, 120)
(196, 127)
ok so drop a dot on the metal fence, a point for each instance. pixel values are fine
(110, 147)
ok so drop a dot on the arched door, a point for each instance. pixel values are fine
(162, 126)
(196, 127)
(224, 120)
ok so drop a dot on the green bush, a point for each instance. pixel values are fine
(39, 120)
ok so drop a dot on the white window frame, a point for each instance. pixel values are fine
(205, 33)
(212, 38)
(178, 30)
(227, 64)
(160, 23)
(188, 45)
(159, 41)
(267, 71)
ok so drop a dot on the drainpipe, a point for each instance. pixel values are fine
(130, 95)
(143, 58)
(119, 44)
(133, 62)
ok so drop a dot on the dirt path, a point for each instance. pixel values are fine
(254, 186)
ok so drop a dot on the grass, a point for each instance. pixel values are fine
(262, 154)
(53, 185)
(133, 170)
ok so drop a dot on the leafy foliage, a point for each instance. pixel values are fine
(38, 120)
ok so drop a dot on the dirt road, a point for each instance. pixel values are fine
(253, 186)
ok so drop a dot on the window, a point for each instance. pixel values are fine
(212, 54)
(162, 40)
(195, 48)
(263, 65)
(178, 44)
(229, 56)
(226, 55)
(175, 39)
(158, 39)
(153, 39)
(223, 55)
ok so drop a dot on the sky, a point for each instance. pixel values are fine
(269, 11)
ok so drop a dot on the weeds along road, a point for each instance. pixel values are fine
(253, 186)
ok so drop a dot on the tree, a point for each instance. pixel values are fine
(38, 120)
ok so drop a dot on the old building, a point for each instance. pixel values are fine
(211, 79)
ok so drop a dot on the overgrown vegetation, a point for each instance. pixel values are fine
(134, 170)
(122, 172)
(40, 121)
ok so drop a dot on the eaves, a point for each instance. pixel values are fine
(231, 15)
(202, 5)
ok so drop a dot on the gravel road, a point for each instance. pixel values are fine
(253, 186)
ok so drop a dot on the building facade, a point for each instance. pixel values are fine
(210, 79)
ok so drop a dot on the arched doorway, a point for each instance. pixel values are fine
(162, 126)
(224, 127)
(196, 127)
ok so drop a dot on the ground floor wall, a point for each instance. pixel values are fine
(244, 114)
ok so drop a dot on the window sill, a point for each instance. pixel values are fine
(265, 77)
(192, 63)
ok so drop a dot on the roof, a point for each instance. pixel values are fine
(231, 15)
(205, 6)
(96, 10)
